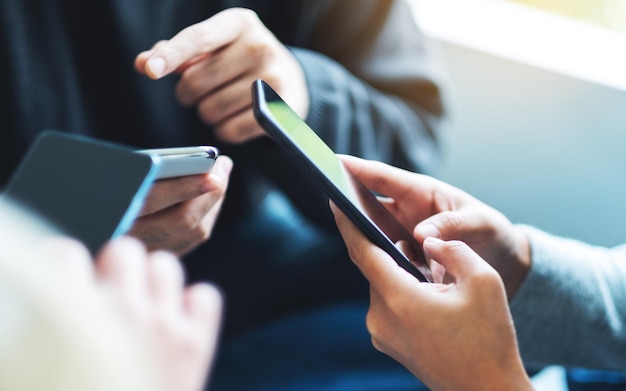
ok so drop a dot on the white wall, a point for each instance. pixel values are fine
(532, 135)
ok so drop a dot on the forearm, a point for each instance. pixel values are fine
(571, 309)
(355, 118)
(375, 83)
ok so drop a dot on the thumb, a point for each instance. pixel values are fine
(460, 261)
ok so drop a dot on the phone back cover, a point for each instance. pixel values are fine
(88, 189)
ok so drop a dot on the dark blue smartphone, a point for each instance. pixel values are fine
(88, 189)
(321, 164)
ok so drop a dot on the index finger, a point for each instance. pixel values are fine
(167, 192)
(197, 40)
(388, 180)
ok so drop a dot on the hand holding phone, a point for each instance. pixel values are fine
(320, 164)
(180, 212)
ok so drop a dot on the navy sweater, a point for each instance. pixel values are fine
(68, 65)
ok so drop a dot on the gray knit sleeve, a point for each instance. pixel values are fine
(571, 308)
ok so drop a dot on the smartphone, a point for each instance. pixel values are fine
(321, 164)
(176, 162)
(86, 188)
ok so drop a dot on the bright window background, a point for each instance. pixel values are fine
(606, 13)
(538, 118)
(537, 100)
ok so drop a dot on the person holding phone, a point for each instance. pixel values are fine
(178, 73)
(564, 295)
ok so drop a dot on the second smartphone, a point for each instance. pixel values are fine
(182, 161)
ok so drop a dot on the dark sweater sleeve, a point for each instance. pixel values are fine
(374, 91)
(354, 118)
(375, 84)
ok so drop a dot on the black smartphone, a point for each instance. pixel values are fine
(182, 161)
(88, 189)
(321, 164)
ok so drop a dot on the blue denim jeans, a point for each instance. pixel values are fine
(326, 348)
(295, 308)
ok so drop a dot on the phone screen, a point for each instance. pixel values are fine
(290, 132)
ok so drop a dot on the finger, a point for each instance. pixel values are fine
(180, 228)
(121, 265)
(215, 72)
(388, 180)
(140, 60)
(225, 102)
(466, 225)
(203, 305)
(375, 264)
(214, 201)
(70, 257)
(167, 192)
(239, 128)
(460, 261)
(200, 38)
(166, 282)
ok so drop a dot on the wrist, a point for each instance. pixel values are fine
(514, 274)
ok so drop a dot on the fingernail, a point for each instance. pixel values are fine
(432, 240)
(155, 67)
(332, 207)
(428, 231)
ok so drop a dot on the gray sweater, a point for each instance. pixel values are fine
(571, 309)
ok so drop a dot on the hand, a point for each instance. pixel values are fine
(179, 213)
(430, 208)
(218, 59)
(181, 324)
(456, 336)
(178, 325)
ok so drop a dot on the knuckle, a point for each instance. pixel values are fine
(185, 91)
(378, 345)
(258, 50)
(244, 14)
(452, 222)
(151, 237)
(206, 114)
(355, 253)
(488, 278)
(216, 108)
(202, 233)
(187, 219)
(372, 323)
(219, 191)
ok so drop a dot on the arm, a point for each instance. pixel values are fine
(374, 86)
(570, 308)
